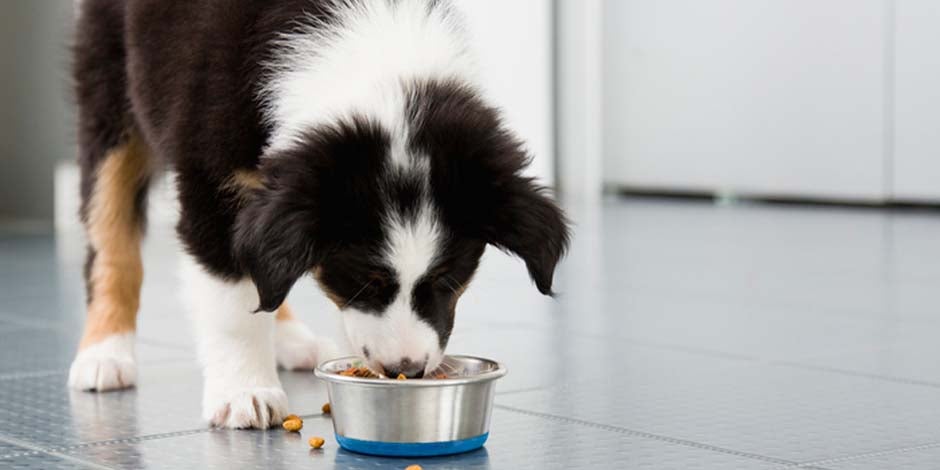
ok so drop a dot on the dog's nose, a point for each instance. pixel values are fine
(410, 369)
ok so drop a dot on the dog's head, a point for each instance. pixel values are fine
(392, 222)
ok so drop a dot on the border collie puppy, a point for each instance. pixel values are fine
(346, 139)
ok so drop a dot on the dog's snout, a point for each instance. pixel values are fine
(407, 367)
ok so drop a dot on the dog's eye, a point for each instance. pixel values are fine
(377, 281)
(372, 294)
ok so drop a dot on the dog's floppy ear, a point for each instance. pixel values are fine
(527, 223)
(275, 235)
(476, 175)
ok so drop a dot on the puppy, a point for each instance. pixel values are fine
(346, 139)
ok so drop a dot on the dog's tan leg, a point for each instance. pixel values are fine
(284, 313)
(114, 223)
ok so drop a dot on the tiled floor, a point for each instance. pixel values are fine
(686, 336)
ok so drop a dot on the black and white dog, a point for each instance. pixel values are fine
(346, 139)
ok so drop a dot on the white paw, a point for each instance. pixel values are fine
(258, 407)
(106, 365)
(299, 349)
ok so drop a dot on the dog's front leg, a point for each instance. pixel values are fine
(241, 388)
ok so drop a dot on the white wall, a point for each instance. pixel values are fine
(512, 40)
(916, 167)
(773, 97)
(579, 69)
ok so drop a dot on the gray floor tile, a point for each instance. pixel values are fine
(538, 359)
(684, 335)
(7, 449)
(42, 461)
(44, 412)
(925, 457)
(517, 441)
(15, 457)
(779, 412)
(52, 349)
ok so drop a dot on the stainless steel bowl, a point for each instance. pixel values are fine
(415, 417)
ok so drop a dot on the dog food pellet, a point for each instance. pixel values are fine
(316, 442)
(326, 408)
(290, 417)
(413, 467)
(401, 377)
(358, 372)
(293, 425)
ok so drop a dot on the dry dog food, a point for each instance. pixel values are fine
(367, 373)
(316, 442)
(359, 372)
(293, 423)
(326, 408)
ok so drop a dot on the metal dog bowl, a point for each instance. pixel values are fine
(415, 417)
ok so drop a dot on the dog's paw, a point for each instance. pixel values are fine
(299, 349)
(258, 407)
(106, 365)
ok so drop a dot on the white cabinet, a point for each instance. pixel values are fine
(771, 97)
(916, 162)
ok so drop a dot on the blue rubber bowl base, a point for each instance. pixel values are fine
(411, 449)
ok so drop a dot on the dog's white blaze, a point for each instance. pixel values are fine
(398, 332)
(359, 64)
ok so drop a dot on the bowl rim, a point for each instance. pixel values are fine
(487, 376)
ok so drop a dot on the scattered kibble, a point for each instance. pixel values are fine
(326, 408)
(401, 377)
(316, 442)
(290, 417)
(413, 467)
(293, 425)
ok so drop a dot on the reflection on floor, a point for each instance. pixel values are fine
(686, 336)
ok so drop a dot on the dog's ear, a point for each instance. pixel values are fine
(275, 238)
(477, 178)
(274, 244)
(527, 223)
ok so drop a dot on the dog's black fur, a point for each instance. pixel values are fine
(185, 76)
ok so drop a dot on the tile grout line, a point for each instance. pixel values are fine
(58, 451)
(134, 439)
(21, 453)
(868, 455)
(37, 450)
(651, 436)
(852, 373)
